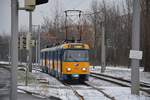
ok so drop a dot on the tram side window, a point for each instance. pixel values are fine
(41, 57)
(53, 58)
(57, 56)
(45, 54)
(61, 55)
(49, 57)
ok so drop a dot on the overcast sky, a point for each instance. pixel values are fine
(45, 10)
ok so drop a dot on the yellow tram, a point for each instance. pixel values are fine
(67, 61)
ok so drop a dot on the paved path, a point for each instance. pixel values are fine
(5, 87)
(23, 96)
(4, 80)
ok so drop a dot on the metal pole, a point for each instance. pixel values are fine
(14, 50)
(103, 61)
(9, 57)
(80, 26)
(26, 81)
(38, 45)
(20, 49)
(66, 27)
(103, 46)
(30, 49)
(135, 46)
(27, 69)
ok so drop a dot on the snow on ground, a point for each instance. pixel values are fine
(50, 79)
(55, 88)
(4, 62)
(123, 93)
(122, 72)
(51, 88)
(98, 82)
(92, 95)
(4, 80)
(7, 63)
(64, 94)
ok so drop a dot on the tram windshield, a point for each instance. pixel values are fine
(76, 55)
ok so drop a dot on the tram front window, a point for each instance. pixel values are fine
(76, 55)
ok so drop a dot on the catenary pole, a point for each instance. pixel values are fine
(36, 56)
(14, 49)
(30, 47)
(103, 44)
(39, 45)
(135, 46)
(103, 52)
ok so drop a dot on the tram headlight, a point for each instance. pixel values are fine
(84, 69)
(68, 69)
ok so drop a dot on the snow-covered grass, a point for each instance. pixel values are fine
(123, 93)
(4, 62)
(21, 78)
(92, 94)
(62, 93)
(52, 88)
(57, 89)
(122, 72)
(98, 82)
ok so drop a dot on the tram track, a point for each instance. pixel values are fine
(77, 88)
(75, 91)
(119, 81)
(91, 88)
(100, 90)
(122, 82)
(79, 92)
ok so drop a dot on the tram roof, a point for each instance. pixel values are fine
(65, 46)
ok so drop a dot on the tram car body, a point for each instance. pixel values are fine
(67, 61)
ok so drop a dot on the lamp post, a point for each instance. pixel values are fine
(14, 49)
(135, 48)
(30, 47)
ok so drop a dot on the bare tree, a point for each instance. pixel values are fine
(4, 46)
(95, 16)
(117, 31)
(145, 5)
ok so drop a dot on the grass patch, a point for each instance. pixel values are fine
(21, 77)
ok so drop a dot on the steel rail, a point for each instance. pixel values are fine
(93, 87)
(122, 82)
(75, 91)
(101, 91)
(143, 84)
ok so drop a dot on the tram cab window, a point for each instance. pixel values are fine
(76, 55)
